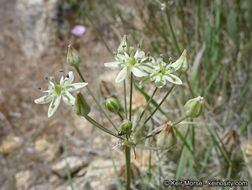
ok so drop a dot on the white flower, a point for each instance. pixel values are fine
(163, 72)
(128, 61)
(57, 91)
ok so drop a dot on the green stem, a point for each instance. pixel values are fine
(128, 172)
(69, 177)
(98, 125)
(177, 122)
(121, 117)
(131, 90)
(96, 101)
(172, 31)
(177, 48)
(167, 94)
(125, 99)
(146, 107)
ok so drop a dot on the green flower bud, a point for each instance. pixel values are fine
(113, 105)
(81, 106)
(194, 107)
(126, 125)
(166, 138)
(73, 58)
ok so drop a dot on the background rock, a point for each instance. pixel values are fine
(38, 19)
(75, 163)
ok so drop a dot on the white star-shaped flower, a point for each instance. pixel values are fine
(162, 72)
(57, 91)
(128, 64)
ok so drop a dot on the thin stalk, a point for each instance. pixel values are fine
(131, 90)
(167, 94)
(177, 48)
(128, 173)
(177, 122)
(121, 117)
(172, 31)
(125, 99)
(98, 125)
(146, 107)
(69, 177)
(96, 101)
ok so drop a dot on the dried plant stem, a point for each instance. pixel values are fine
(96, 101)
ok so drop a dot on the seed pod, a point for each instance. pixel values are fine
(81, 106)
(73, 58)
(112, 105)
(194, 107)
(166, 138)
(126, 125)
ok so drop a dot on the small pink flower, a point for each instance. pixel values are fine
(78, 30)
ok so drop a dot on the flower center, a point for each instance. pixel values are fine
(132, 61)
(58, 89)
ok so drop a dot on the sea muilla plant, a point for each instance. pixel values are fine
(132, 64)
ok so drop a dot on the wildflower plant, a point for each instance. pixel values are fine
(132, 63)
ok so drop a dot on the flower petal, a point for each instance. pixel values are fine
(137, 72)
(177, 64)
(121, 75)
(147, 67)
(75, 86)
(112, 64)
(69, 78)
(54, 105)
(139, 54)
(173, 79)
(122, 58)
(61, 80)
(68, 98)
(159, 82)
(44, 99)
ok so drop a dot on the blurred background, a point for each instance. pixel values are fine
(34, 37)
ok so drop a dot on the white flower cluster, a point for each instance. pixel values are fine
(131, 60)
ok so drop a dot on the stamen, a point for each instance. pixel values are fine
(124, 46)
(139, 61)
(171, 67)
(61, 70)
(39, 88)
(46, 77)
(148, 54)
(67, 76)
